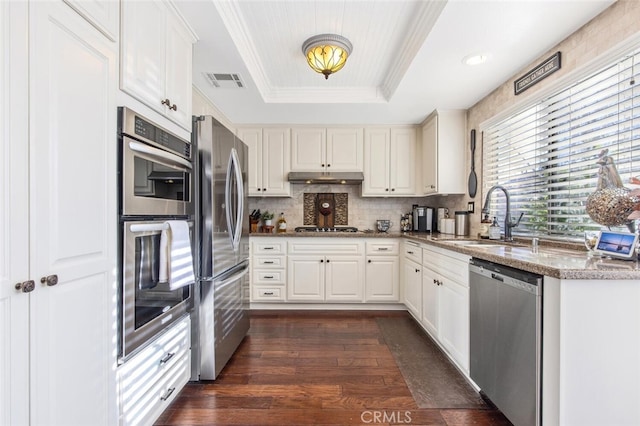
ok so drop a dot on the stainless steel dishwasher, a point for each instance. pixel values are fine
(505, 343)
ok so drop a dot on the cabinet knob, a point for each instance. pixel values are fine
(386, 189)
(393, 189)
(435, 281)
(26, 286)
(321, 260)
(417, 270)
(369, 260)
(328, 261)
(50, 280)
(166, 102)
(328, 165)
(264, 189)
(174, 107)
(432, 186)
(259, 189)
(321, 165)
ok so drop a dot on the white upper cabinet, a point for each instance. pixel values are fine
(389, 162)
(102, 14)
(156, 58)
(269, 161)
(327, 150)
(443, 153)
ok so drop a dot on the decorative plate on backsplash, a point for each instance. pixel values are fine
(341, 214)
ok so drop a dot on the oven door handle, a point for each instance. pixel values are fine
(172, 159)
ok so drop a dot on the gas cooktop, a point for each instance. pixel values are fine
(334, 229)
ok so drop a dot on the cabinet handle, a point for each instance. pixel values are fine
(410, 252)
(26, 286)
(383, 248)
(268, 277)
(268, 248)
(267, 293)
(168, 394)
(268, 262)
(167, 357)
(50, 280)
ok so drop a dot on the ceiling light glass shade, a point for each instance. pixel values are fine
(327, 53)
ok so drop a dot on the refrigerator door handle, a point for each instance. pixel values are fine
(233, 275)
(233, 167)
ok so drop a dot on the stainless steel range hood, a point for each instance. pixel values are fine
(344, 178)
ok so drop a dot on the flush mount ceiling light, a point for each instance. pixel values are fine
(327, 53)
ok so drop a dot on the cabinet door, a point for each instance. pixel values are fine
(14, 207)
(103, 14)
(73, 212)
(453, 321)
(178, 76)
(430, 302)
(376, 162)
(430, 156)
(142, 51)
(344, 278)
(412, 287)
(305, 278)
(276, 154)
(382, 279)
(308, 150)
(402, 158)
(253, 138)
(345, 150)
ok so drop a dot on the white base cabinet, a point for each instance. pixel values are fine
(59, 216)
(151, 379)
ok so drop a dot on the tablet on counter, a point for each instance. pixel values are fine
(620, 245)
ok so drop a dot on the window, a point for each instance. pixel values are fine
(545, 155)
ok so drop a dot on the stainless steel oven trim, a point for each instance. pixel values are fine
(132, 340)
(133, 205)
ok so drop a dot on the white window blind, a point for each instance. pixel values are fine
(546, 154)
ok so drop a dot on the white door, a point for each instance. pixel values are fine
(14, 220)
(253, 138)
(276, 154)
(376, 162)
(402, 158)
(73, 218)
(430, 156)
(345, 150)
(454, 321)
(430, 300)
(382, 277)
(308, 150)
(179, 53)
(412, 286)
(344, 278)
(305, 278)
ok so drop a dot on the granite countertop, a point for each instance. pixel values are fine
(554, 259)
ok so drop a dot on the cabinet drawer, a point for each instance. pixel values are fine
(265, 262)
(144, 407)
(313, 246)
(269, 277)
(269, 247)
(262, 294)
(412, 251)
(455, 268)
(159, 356)
(382, 246)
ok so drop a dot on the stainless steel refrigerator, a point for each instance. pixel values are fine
(220, 317)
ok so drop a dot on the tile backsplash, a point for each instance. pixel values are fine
(362, 211)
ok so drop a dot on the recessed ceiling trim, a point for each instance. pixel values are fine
(317, 95)
(425, 18)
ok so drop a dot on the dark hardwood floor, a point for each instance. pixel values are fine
(313, 368)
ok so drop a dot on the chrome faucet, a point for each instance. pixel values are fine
(508, 223)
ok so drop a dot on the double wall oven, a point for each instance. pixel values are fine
(156, 176)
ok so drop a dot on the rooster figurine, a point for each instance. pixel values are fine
(611, 203)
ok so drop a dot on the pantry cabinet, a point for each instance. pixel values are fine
(59, 214)
(389, 162)
(443, 153)
(269, 161)
(156, 58)
(327, 150)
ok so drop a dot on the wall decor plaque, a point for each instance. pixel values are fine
(542, 71)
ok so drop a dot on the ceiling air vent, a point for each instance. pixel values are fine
(224, 80)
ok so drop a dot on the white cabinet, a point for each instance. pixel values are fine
(412, 287)
(389, 162)
(443, 153)
(102, 14)
(59, 211)
(269, 161)
(382, 275)
(325, 271)
(268, 270)
(445, 308)
(156, 58)
(151, 379)
(327, 150)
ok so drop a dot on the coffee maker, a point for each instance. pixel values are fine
(423, 219)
